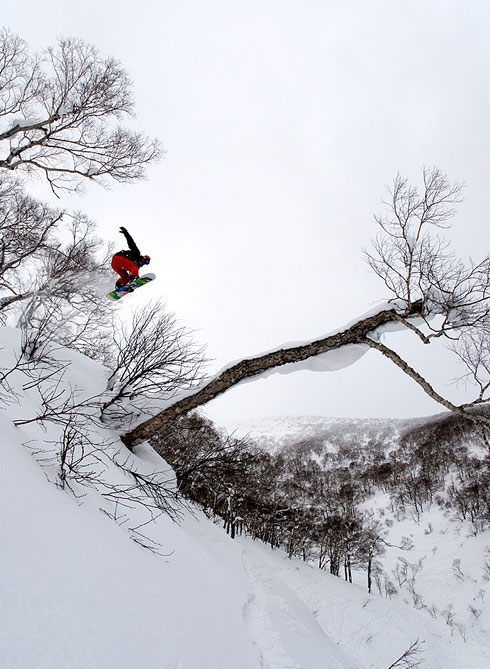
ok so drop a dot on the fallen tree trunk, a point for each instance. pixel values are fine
(231, 376)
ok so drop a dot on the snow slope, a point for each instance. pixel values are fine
(77, 592)
(433, 562)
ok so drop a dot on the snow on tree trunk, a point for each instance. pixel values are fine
(357, 333)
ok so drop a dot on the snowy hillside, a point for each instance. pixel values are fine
(93, 575)
(431, 560)
(279, 432)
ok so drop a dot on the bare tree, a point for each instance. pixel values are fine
(156, 358)
(433, 295)
(57, 292)
(405, 254)
(416, 264)
(59, 115)
(27, 227)
(59, 111)
(410, 658)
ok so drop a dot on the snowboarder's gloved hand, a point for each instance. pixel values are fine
(122, 230)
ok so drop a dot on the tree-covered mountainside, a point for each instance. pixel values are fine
(308, 495)
(106, 546)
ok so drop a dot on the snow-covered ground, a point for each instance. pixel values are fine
(79, 590)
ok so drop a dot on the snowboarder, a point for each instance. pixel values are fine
(128, 263)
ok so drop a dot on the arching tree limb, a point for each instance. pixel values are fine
(248, 368)
(450, 298)
(424, 384)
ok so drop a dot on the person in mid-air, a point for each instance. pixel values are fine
(127, 263)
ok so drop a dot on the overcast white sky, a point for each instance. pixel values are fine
(283, 121)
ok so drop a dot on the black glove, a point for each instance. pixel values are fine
(122, 230)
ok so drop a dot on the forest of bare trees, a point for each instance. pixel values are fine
(307, 499)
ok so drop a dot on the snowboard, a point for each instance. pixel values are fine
(118, 293)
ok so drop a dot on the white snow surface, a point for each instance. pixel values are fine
(76, 592)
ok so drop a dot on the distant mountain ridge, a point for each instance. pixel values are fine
(283, 432)
(276, 433)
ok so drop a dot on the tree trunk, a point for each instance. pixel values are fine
(358, 333)
(250, 367)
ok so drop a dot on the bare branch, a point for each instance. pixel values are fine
(68, 101)
(155, 357)
(410, 658)
(405, 250)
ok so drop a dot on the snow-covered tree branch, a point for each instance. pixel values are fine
(433, 295)
(355, 337)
